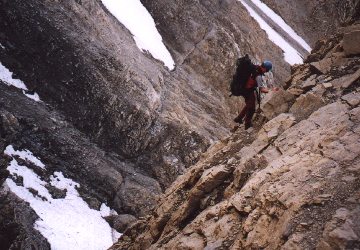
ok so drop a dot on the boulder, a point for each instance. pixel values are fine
(309, 83)
(346, 80)
(276, 102)
(353, 99)
(323, 66)
(122, 221)
(306, 105)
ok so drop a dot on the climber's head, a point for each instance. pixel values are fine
(267, 65)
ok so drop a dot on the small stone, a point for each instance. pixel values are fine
(247, 209)
(327, 85)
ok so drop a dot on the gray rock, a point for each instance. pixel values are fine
(306, 105)
(351, 43)
(122, 221)
(352, 99)
(16, 224)
(276, 103)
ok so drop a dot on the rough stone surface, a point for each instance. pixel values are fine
(351, 43)
(305, 105)
(352, 99)
(289, 184)
(121, 222)
(16, 224)
(276, 102)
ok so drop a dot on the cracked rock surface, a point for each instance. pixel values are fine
(291, 183)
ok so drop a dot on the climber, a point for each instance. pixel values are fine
(254, 81)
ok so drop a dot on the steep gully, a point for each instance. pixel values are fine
(119, 124)
(11, 133)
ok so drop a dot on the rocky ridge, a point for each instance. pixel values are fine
(291, 183)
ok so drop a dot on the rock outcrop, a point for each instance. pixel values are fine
(291, 183)
(316, 20)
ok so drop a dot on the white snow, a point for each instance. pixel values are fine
(67, 223)
(291, 55)
(25, 155)
(277, 19)
(7, 78)
(135, 17)
(2, 46)
(34, 96)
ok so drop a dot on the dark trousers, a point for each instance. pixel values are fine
(249, 110)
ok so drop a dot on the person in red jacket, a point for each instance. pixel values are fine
(255, 81)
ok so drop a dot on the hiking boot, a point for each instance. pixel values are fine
(248, 125)
(238, 120)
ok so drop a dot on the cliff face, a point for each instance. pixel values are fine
(315, 20)
(292, 183)
(113, 118)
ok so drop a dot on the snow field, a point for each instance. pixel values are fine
(291, 55)
(67, 223)
(277, 19)
(135, 17)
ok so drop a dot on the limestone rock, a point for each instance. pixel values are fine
(342, 231)
(346, 81)
(352, 99)
(351, 42)
(292, 183)
(306, 105)
(323, 66)
(309, 83)
(276, 102)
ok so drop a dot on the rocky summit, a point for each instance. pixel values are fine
(152, 153)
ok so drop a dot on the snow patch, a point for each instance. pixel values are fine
(25, 155)
(2, 46)
(34, 96)
(291, 55)
(135, 17)
(7, 78)
(67, 223)
(277, 19)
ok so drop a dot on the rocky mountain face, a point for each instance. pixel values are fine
(113, 118)
(291, 183)
(315, 20)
